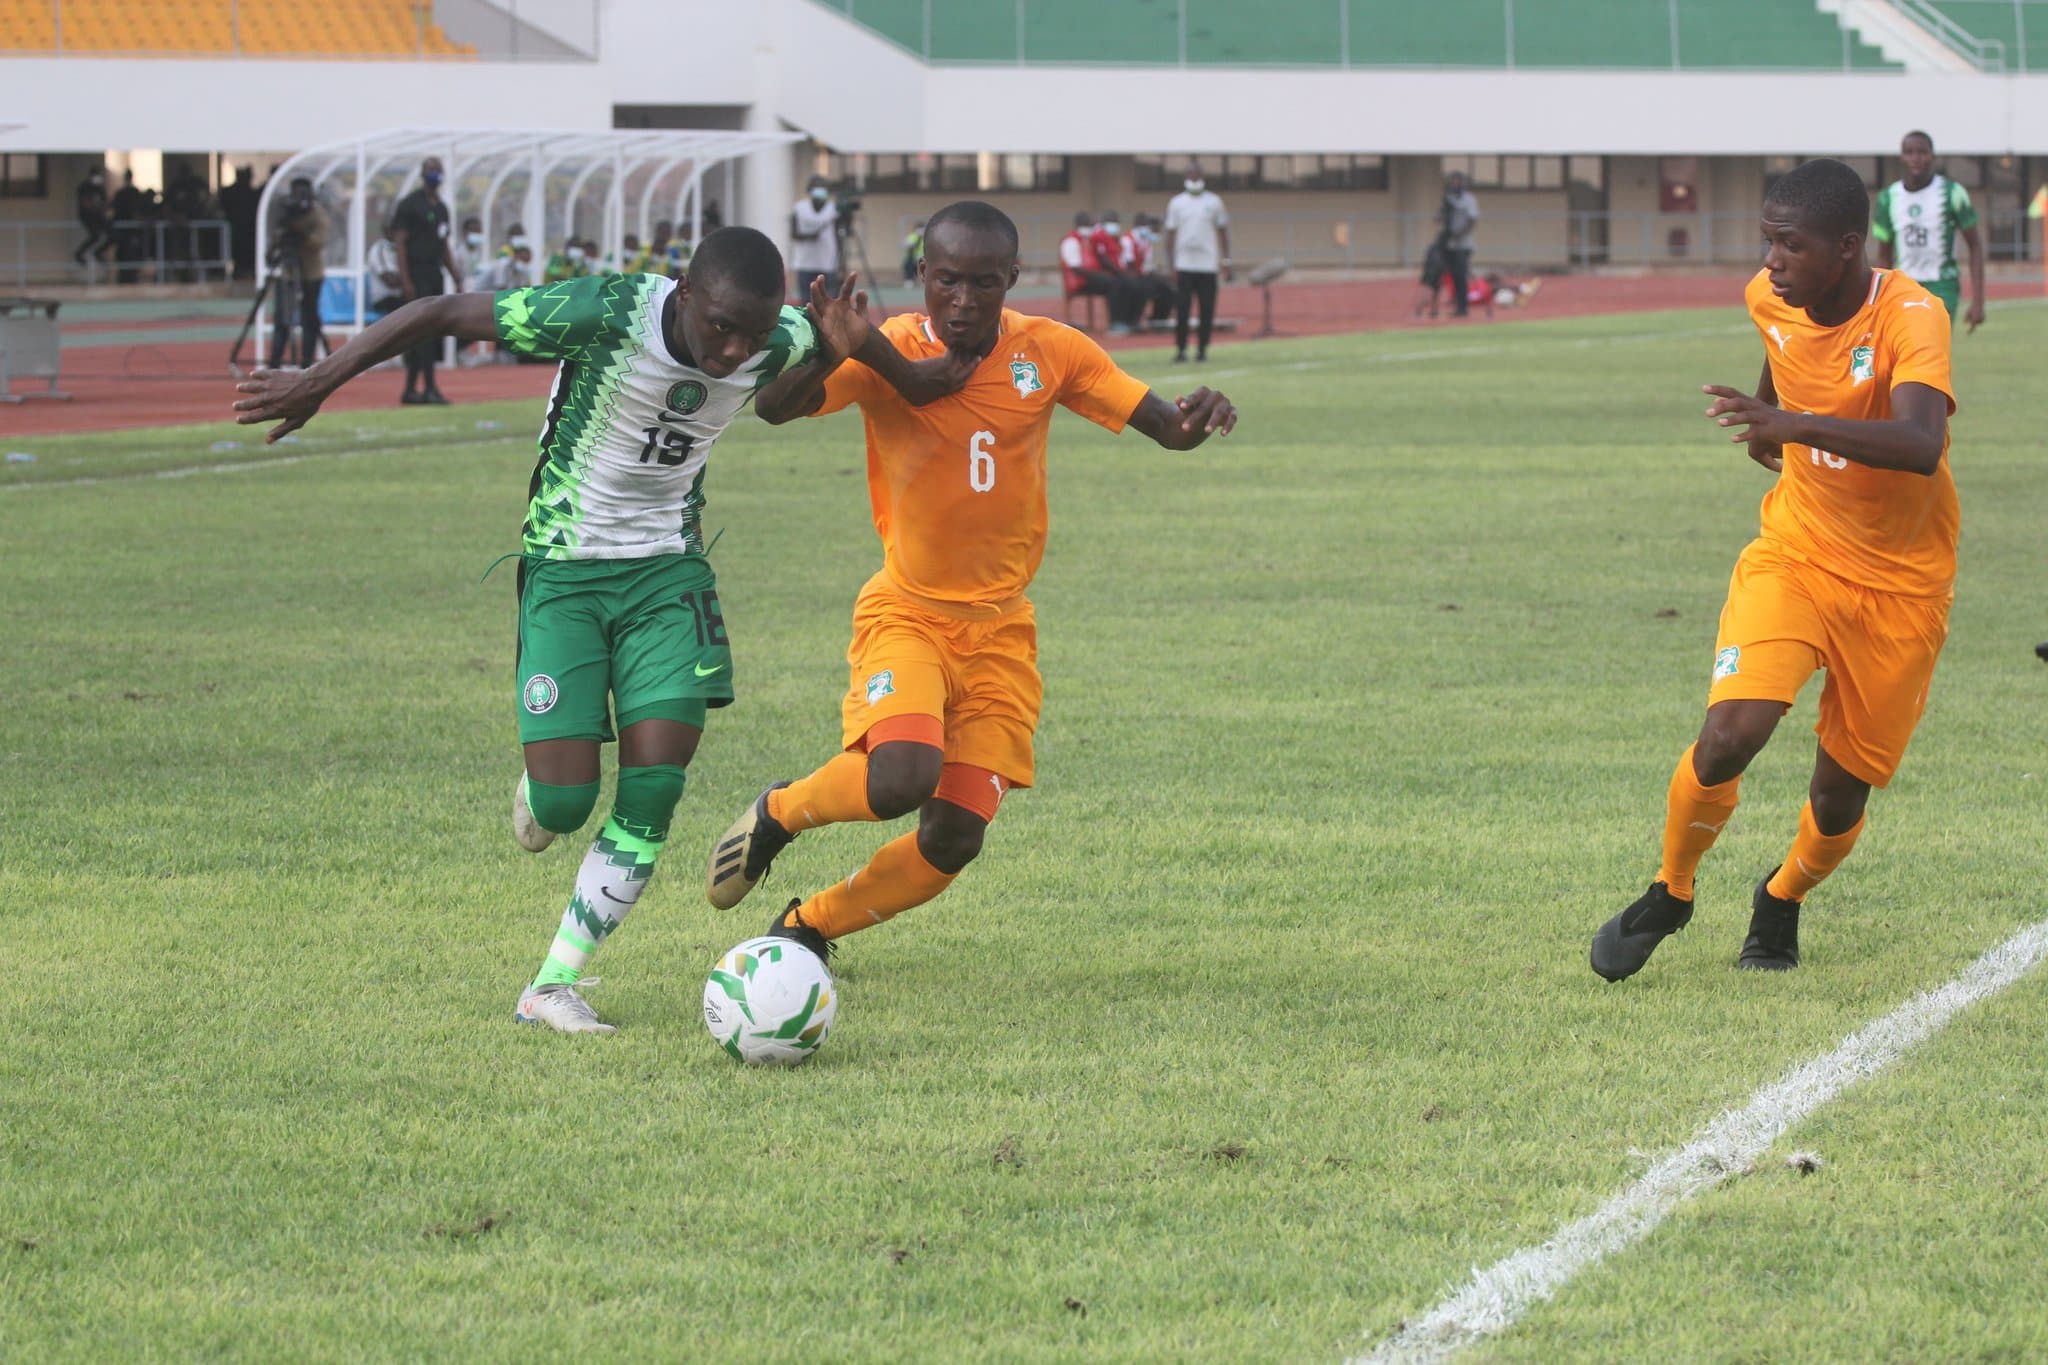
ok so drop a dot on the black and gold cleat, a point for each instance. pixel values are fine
(743, 853)
(1625, 943)
(1773, 942)
(789, 924)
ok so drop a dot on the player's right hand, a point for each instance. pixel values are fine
(1769, 454)
(286, 397)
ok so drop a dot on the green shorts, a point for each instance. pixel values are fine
(1950, 292)
(644, 634)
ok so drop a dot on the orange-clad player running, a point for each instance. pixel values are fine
(944, 662)
(1852, 572)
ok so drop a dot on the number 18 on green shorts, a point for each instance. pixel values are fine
(644, 634)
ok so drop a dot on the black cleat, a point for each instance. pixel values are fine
(1625, 943)
(789, 924)
(742, 854)
(2041, 652)
(1773, 942)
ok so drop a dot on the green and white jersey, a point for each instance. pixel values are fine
(1922, 225)
(629, 425)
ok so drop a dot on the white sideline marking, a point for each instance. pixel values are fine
(1496, 1297)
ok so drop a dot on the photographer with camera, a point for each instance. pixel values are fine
(1458, 214)
(298, 256)
(814, 228)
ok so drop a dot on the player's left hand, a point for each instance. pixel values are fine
(842, 322)
(1207, 411)
(1975, 315)
(286, 397)
(1766, 424)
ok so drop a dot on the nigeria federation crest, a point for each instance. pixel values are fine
(1862, 364)
(540, 694)
(1912, 210)
(1024, 374)
(687, 395)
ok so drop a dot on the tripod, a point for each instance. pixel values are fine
(285, 287)
(853, 251)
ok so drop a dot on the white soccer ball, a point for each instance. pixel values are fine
(770, 1002)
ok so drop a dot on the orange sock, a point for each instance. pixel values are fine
(835, 793)
(895, 879)
(1693, 818)
(1813, 856)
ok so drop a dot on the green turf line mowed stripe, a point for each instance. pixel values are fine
(1496, 1297)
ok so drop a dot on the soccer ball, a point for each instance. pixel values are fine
(770, 1002)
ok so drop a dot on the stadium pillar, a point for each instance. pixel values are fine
(770, 186)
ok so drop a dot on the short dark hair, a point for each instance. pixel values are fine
(1825, 195)
(741, 255)
(974, 216)
(1919, 133)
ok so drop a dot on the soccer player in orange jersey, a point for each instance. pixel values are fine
(1852, 572)
(944, 689)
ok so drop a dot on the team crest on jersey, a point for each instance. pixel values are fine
(1863, 363)
(541, 694)
(1727, 663)
(687, 395)
(1024, 374)
(1912, 210)
(880, 685)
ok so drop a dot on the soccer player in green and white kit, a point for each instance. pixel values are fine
(1915, 222)
(617, 601)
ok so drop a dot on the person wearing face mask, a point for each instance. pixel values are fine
(1197, 251)
(1130, 255)
(476, 253)
(419, 228)
(814, 228)
(567, 264)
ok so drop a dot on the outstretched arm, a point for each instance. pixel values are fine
(1186, 422)
(290, 398)
(1910, 442)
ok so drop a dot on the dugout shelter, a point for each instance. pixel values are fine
(556, 183)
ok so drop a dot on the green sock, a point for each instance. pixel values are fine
(620, 861)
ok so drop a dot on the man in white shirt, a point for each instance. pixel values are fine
(814, 234)
(1197, 251)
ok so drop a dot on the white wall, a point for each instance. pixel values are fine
(800, 65)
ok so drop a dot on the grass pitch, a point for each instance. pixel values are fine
(1260, 1022)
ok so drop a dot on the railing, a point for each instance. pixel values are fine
(143, 251)
(1554, 240)
(1986, 54)
(1640, 35)
(431, 30)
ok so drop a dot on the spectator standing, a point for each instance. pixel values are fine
(132, 208)
(476, 252)
(1459, 215)
(419, 229)
(238, 206)
(92, 216)
(814, 231)
(1197, 251)
(185, 203)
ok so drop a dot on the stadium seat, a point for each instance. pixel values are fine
(352, 28)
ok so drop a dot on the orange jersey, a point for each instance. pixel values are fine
(958, 486)
(1880, 528)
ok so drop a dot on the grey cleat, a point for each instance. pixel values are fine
(1625, 943)
(561, 1009)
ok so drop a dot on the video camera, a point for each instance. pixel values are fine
(848, 202)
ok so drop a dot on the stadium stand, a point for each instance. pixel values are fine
(1710, 34)
(336, 28)
(2022, 25)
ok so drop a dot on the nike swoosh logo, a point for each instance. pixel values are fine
(606, 891)
(704, 672)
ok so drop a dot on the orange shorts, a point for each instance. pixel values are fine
(978, 676)
(1785, 618)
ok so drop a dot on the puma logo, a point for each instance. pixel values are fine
(1917, 303)
(1711, 829)
(1779, 337)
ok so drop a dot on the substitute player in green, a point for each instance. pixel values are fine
(1915, 222)
(618, 607)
